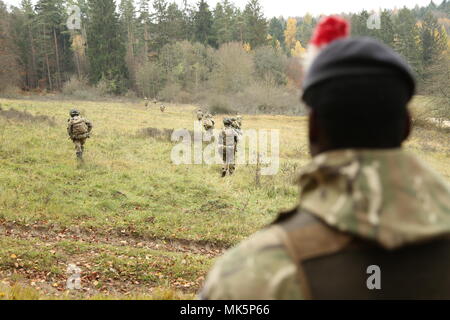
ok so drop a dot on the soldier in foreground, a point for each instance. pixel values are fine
(228, 140)
(79, 130)
(373, 220)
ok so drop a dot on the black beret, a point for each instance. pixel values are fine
(358, 56)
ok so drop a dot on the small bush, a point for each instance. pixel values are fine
(24, 116)
(9, 92)
(219, 104)
(80, 89)
(161, 135)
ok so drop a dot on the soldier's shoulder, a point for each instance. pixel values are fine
(259, 268)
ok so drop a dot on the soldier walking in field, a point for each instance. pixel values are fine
(146, 101)
(373, 220)
(228, 140)
(79, 130)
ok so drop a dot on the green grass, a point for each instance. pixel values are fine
(129, 189)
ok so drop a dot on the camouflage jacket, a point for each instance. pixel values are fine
(228, 137)
(387, 196)
(70, 127)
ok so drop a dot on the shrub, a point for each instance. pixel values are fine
(234, 68)
(9, 91)
(150, 79)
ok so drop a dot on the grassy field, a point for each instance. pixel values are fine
(137, 225)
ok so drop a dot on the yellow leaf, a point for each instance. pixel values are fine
(13, 256)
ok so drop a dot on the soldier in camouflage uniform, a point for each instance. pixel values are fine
(146, 102)
(78, 129)
(236, 126)
(199, 115)
(239, 120)
(208, 122)
(364, 201)
(228, 140)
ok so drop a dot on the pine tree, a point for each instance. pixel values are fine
(407, 40)
(223, 25)
(106, 49)
(433, 42)
(386, 33)
(203, 24)
(53, 41)
(9, 68)
(176, 24)
(160, 24)
(128, 21)
(255, 24)
(305, 29)
(276, 31)
(24, 40)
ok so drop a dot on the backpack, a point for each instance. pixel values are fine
(79, 127)
(208, 124)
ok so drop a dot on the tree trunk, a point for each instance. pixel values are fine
(58, 70)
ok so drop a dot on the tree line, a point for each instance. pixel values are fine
(156, 47)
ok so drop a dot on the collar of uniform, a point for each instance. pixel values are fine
(388, 196)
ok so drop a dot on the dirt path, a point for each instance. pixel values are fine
(95, 282)
(48, 234)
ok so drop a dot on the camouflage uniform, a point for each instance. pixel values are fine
(228, 139)
(79, 129)
(208, 122)
(199, 115)
(383, 199)
(239, 121)
(236, 126)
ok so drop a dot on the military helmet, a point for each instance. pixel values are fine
(227, 121)
(74, 113)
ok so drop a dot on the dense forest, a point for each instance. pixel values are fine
(222, 56)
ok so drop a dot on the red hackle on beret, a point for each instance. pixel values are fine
(330, 29)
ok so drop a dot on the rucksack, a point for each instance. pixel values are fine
(208, 124)
(79, 127)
